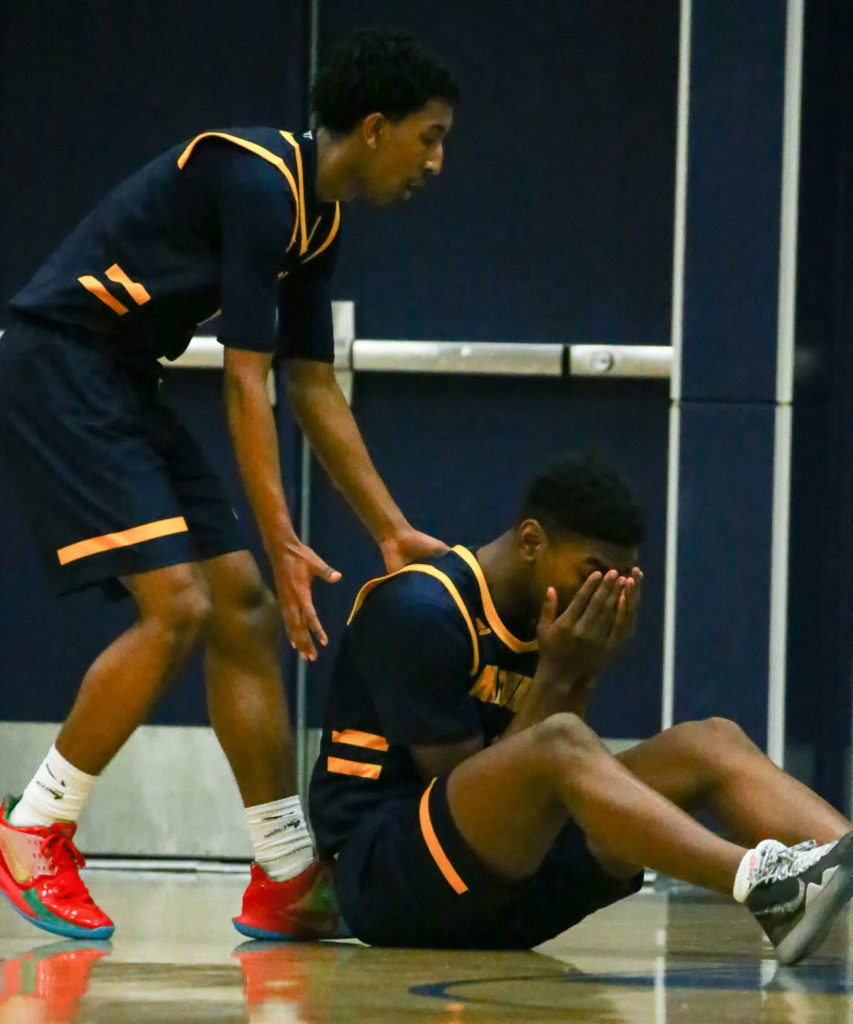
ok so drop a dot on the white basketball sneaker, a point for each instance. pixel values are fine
(796, 892)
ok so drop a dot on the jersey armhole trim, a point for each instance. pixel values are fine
(271, 158)
(492, 617)
(330, 238)
(303, 233)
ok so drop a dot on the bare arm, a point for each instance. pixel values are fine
(252, 426)
(327, 422)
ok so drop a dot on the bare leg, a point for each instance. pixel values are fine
(245, 691)
(713, 764)
(124, 682)
(510, 801)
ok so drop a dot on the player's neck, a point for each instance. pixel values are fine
(504, 576)
(336, 177)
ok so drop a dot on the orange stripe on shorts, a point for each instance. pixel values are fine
(434, 846)
(122, 539)
(341, 766)
(355, 738)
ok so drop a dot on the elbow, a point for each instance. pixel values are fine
(234, 394)
(307, 390)
(244, 377)
(242, 390)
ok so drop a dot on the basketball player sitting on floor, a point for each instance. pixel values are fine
(468, 803)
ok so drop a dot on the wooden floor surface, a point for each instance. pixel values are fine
(662, 957)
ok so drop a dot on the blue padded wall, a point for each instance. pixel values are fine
(724, 520)
(734, 193)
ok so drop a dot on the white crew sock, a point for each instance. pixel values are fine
(57, 792)
(280, 837)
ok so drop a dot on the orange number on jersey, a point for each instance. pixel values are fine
(136, 291)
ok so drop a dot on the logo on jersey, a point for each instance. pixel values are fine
(498, 686)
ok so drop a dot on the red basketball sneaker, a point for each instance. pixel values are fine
(303, 908)
(39, 876)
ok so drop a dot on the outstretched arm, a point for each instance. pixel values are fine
(252, 426)
(256, 223)
(327, 422)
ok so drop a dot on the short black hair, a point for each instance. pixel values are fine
(583, 495)
(378, 70)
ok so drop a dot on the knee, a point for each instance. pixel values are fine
(565, 736)
(246, 615)
(711, 748)
(714, 734)
(182, 610)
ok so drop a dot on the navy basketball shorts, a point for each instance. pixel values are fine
(111, 482)
(406, 877)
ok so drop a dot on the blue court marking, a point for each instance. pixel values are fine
(818, 978)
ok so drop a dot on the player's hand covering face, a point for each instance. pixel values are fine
(598, 622)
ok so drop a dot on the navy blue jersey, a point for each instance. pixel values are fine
(226, 222)
(425, 659)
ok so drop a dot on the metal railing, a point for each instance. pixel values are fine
(495, 358)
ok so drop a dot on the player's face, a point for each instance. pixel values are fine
(404, 154)
(567, 563)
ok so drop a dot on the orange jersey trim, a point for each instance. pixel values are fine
(435, 848)
(93, 285)
(122, 539)
(340, 766)
(443, 578)
(270, 157)
(494, 620)
(303, 245)
(336, 223)
(354, 738)
(137, 292)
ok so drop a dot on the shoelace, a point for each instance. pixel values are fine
(809, 844)
(58, 847)
(64, 858)
(776, 863)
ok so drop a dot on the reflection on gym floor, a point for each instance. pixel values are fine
(664, 957)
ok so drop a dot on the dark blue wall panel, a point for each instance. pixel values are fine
(552, 219)
(92, 90)
(733, 207)
(722, 633)
(820, 624)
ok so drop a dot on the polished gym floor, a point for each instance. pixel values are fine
(665, 956)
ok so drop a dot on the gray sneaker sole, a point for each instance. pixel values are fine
(808, 933)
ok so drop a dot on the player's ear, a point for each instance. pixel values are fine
(372, 127)
(531, 539)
